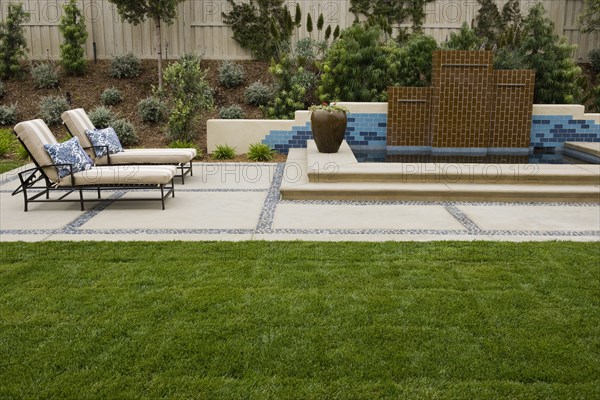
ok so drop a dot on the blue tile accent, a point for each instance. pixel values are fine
(554, 130)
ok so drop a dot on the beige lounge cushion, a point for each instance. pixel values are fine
(77, 122)
(35, 134)
(149, 156)
(123, 175)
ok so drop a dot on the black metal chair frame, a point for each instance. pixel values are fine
(31, 179)
(186, 169)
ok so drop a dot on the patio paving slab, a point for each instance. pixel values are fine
(533, 218)
(322, 216)
(196, 210)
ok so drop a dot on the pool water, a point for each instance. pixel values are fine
(537, 157)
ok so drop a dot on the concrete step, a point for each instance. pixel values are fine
(343, 167)
(334, 179)
(586, 151)
(369, 191)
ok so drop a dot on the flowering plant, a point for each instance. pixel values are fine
(331, 107)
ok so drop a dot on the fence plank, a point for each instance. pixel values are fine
(199, 27)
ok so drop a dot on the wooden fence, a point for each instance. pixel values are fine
(199, 27)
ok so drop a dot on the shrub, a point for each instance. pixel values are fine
(223, 152)
(290, 94)
(7, 142)
(12, 41)
(44, 76)
(260, 152)
(231, 74)
(2, 89)
(356, 67)
(111, 96)
(127, 66)
(125, 132)
(72, 27)
(465, 39)
(414, 60)
(21, 152)
(102, 117)
(8, 114)
(191, 94)
(152, 109)
(182, 144)
(262, 26)
(234, 111)
(594, 57)
(51, 107)
(258, 94)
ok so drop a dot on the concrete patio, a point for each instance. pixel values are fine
(227, 201)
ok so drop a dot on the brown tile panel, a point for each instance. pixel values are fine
(511, 110)
(408, 116)
(468, 105)
(461, 98)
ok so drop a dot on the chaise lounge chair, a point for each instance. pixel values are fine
(77, 122)
(78, 173)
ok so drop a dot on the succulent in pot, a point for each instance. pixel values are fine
(328, 124)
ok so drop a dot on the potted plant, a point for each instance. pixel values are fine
(328, 123)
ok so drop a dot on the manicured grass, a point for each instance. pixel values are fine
(300, 320)
(7, 165)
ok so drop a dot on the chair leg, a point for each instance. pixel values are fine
(99, 196)
(172, 188)
(182, 174)
(81, 198)
(162, 196)
(191, 168)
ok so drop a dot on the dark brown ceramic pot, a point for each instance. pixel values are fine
(328, 129)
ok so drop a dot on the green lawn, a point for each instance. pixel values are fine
(7, 165)
(263, 320)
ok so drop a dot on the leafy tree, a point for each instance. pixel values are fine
(488, 22)
(291, 90)
(262, 26)
(465, 39)
(386, 13)
(72, 27)
(556, 74)
(590, 18)
(186, 85)
(415, 61)
(12, 41)
(356, 67)
(158, 10)
(512, 23)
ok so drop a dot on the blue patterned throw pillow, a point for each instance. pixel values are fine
(69, 152)
(104, 137)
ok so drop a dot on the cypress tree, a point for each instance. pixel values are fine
(12, 41)
(488, 23)
(72, 27)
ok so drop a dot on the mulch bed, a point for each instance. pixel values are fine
(85, 92)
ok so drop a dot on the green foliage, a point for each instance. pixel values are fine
(13, 44)
(21, 152)
(309, 24)
(356, 67)
(488, 22)
(262, 26)
(186, 85)
(556, 74)
(7, 142)
(8, 114)
(72, 28)
(415, 59)
(44, 76)
(512, 25)
(111, 96)
(182, 144)
(387, 13)
(51, 107)
(261, 152)
(2, 89)
(223, 152)
(127, 66)
(102, 117)
(465, 39)
(258, 94)
(231, 74)
(506, 58)
(233, 111)
(594, 57)
(590, 18)
(152, 109)
(290, 92)
(125, 132)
